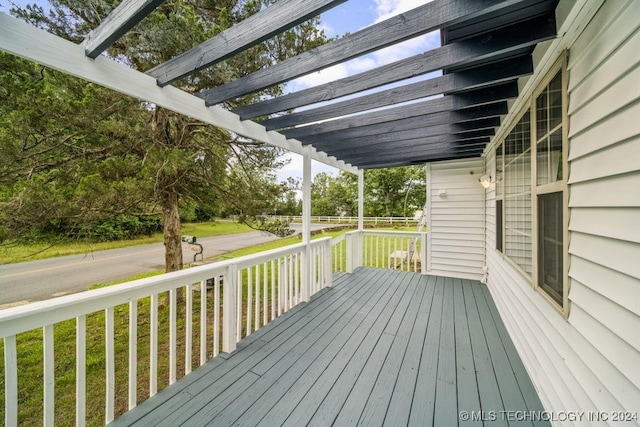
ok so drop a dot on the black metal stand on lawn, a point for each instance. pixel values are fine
(191, 240)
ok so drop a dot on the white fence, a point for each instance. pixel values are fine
(213, 305)
(397, 220)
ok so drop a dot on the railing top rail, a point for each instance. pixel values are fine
(338, 239)
(389, 233)
(19, 319)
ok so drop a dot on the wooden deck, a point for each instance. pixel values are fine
(381, 347)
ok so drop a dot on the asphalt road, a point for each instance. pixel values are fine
(43, 279)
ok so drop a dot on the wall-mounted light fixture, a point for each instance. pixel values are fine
(485, 181)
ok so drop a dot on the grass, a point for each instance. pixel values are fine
(29, 252)
(278, 244)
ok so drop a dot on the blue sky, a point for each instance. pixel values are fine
(350, 16)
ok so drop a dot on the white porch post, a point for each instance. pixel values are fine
(306, 227)
(359, 241)
(361, 200)
(427, 207)
(229, 307)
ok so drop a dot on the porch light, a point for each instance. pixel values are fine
(485, 181)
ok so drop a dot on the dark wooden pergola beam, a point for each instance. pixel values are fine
(496, 44)
(279, 17)
(336, 146)
(421, 20)
(124, 17)
(419, 157)
(388, 131)
(381, 147)
(428, 119)
(418, 145)
(448, 155)
(492, 74)
(443, 104)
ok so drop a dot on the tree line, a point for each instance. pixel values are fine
(387, 192)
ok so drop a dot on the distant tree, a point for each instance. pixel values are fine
(178, 158)
(289, 205)
(394, 191)
(388, 192)
(321, 204)
(344, 192)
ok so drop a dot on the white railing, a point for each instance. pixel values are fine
(387, 249)
(204, 310)
(339, 254)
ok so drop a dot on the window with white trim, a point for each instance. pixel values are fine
(531, 190)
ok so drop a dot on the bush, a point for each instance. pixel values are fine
(121, 227)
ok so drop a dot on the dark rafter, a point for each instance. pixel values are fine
(120, 20)
(415, 158)
(451, 83)
(399, 128)
(418, 147)
(405, 139)
(421, 20)
(438, 105)
(496, 109)
(279, 17)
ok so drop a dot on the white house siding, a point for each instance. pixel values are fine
(589, 361)
(456, 233)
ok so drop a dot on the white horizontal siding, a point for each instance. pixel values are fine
(611, 284)
(456, 220)
(589, 361)
(620, 223)
(604, 199)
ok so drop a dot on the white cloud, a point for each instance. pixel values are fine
(335, 72)
(388, 8)
(320, 77)
(407, 48)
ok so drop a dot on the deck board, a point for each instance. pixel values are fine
(468, 398)
(424, 397)
(381, 347)
(402, 397)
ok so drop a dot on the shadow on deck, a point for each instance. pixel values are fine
(381, 347)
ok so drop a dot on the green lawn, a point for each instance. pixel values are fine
(18, 253)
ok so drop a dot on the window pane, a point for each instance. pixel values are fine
(517, 197)
(499, 172)
(549, 145)
(549, 158)
(555, 102)
(550, 245)
(542, 109)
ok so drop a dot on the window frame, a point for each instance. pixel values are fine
(559, 186)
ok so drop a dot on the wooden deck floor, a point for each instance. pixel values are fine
(381, 347)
